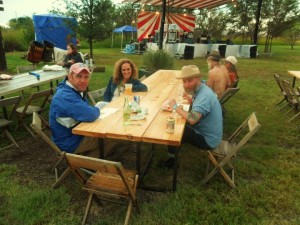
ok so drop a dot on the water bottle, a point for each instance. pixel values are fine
(126, 112)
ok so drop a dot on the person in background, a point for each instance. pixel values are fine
(73, 56)
(125, 71)
(204, 127)
(218, 79)
(69, 107)
(230, 64)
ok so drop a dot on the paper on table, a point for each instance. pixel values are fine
(52, 67)
(105, 112)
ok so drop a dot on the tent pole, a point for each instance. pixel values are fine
(122, 41)
(162, 24)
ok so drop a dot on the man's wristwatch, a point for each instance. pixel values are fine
(175, 106)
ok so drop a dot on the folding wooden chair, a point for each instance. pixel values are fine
(235, 83)
(5, 118)
(292, 98)
(96, 96)
(222, 155)
(33, 104)
(36, 125)
(226, 96)
(110, 182)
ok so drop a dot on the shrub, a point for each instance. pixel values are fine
(14, 41)
(158, 60)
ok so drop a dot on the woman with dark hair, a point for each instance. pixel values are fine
(73, 56)
(125, 71)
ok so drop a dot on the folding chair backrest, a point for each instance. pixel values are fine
(248, 128)
(235, 83)
(96, 95)
(37, 95)
(279, 81)
(23, 69)
(228, 94)
(37, 121)
(12, 102)
(290, 92)
(79, 162)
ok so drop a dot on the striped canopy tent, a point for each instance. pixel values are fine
(149, 22)
(187, 4)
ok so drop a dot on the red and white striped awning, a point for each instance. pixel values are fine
(149, 22)
(188, 4)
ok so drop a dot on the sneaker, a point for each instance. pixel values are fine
(169, 163)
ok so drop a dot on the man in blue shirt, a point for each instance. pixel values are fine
(204, 127)
(68, 108)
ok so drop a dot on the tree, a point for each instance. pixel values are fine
(292, 35)
(212, 22)
(278, 17)
(26, 25)
(95, 18)
(241, 19)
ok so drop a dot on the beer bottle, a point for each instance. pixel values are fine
(126, 112)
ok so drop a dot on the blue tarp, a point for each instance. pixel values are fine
(57, 29)
(125, 28)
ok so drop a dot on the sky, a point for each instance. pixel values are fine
(19, 8)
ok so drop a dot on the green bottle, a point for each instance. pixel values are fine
(126, 112)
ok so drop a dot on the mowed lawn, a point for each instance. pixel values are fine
(267, 167)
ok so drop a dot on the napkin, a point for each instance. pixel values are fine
(105, 112)
(52, 67)
(5, 77)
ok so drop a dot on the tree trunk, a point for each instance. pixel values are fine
(91, 47)
(257, 22)
(3, 65)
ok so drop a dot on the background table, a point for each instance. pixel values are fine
(295, 74)
(25, 80)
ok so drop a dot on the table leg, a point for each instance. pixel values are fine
(138, 159)
(294, 81)
(175, 169)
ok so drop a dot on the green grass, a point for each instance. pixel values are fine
(267, 176)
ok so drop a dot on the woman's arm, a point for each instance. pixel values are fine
(137, 86)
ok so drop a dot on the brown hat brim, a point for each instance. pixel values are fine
(189, 76)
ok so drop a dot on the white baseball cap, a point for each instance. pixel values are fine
(231, 59)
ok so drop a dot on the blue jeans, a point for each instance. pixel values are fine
(189, 136)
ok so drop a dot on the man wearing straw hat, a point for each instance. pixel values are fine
(218, 78)
(204, 127)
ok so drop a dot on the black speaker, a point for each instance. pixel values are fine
(253, 51)
(222, 50)
(188, 52)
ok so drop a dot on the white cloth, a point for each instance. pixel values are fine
(5, 77)
(52, 67)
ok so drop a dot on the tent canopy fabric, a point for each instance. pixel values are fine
(188, 4)
(56, 29)
(125, 28)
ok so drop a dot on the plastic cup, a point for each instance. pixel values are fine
(128, 89)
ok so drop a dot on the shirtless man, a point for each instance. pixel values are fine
(218, 79)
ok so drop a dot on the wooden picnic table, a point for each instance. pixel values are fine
(162, 85)
(25, 80)
(295, 74)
